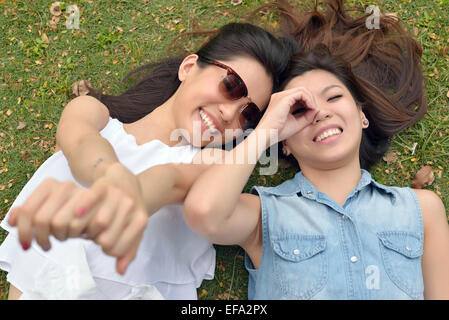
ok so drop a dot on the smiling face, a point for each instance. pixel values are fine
(199, 102)
(333, 138)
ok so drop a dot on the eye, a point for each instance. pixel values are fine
(334, 97)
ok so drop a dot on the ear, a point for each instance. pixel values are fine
(285, 149)
(186, 66)
(363, 119)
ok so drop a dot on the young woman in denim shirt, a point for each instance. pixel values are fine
(332, 232)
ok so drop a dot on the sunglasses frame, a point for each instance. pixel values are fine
(245, 94)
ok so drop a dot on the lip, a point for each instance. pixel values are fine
(322, 130)
(213, 119)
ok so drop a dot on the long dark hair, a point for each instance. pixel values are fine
(381, 67)
(159, 84)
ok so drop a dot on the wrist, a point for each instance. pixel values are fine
(101, 166)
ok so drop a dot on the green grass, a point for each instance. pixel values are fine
(117, 36)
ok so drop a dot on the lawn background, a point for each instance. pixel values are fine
(39, 63)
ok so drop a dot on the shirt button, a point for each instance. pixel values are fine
(354, 259)
(344, 217)
(408, 248)
(296, 252)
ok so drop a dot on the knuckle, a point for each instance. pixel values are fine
(128, 204)
(106, 243)
(57, 224)
(142, 220)
(101, 221)
(40, 221)
(75, 227)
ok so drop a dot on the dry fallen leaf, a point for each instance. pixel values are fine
(424, 177)
(390, 157)
(45, 38)
(55, 8)
(81, 88)
(447, 94)
(21, 125)
(236, 2)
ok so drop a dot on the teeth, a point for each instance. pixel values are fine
(327, 134)
(208, 122)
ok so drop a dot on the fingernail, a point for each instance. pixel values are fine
(80, 212)
(25, 245)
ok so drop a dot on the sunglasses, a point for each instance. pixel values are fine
(233, 88)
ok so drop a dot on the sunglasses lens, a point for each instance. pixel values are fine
(250, 116)
(232, 87)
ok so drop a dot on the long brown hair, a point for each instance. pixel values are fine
(385, 62)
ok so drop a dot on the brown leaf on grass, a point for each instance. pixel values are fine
(45, 38)
(236, 2)
(447, 94)
(424, 177)
(21, 125)
(390, 157)
(81, 88)
(445, 50)
(55, 8)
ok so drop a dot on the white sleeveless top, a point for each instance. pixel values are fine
(172, 260)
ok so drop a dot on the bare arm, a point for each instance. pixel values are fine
(215, 207)
(435, 260)
(78, 136)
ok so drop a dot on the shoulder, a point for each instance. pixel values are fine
(432, 208)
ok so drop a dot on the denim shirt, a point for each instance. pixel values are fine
(313, 248)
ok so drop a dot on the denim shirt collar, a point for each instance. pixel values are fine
(300, 184)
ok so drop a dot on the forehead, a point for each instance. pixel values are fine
(315, 81)
(256, 78)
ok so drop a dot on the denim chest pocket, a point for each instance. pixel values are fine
(401, 254)
(300, 265)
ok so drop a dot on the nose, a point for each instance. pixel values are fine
(229, 111)
(321, 116)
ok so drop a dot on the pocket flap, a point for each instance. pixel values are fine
(407, 243)
(298, 247)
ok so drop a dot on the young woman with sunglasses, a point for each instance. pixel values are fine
(332, 232)
(109, 145)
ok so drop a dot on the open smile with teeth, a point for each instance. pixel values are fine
(328, 133)
(208, 122)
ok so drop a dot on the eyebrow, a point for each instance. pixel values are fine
(329, 87)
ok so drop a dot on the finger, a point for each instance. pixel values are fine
(104, 216)
(90, 197)
(79, 225)
(303, 98)
(23, 216)
(131, 234)
(24, 228)
(123, 262)
(108, 238)
(42, 219)
(13, 214)
(60, 223)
